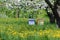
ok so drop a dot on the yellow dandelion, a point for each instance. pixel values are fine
(21, 35)
(58, 31)
(54, 36)
(25, 34)
(40, 33)
(58, 35)
(14, 33)
(47, 31)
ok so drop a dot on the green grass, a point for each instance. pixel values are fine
(21, 25)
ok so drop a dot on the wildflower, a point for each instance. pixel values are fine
(40, 33)
(56, 35)
(25, 34)
(21, 35)
(14, 33)
(47, 31)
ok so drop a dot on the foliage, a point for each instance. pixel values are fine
(25, 7)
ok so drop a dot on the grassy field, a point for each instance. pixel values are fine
(19, 29)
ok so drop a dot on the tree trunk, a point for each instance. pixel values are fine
(17, 13)
(50, 15)
(54, 10)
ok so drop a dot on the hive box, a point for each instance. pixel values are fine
(31, 22)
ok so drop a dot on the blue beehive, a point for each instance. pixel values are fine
(31, 22)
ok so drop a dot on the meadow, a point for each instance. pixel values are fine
(19, 29)
(14, 21)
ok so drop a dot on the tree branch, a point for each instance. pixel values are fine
(49, 3)
(56, 3)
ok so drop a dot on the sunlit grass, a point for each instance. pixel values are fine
(19, 29)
